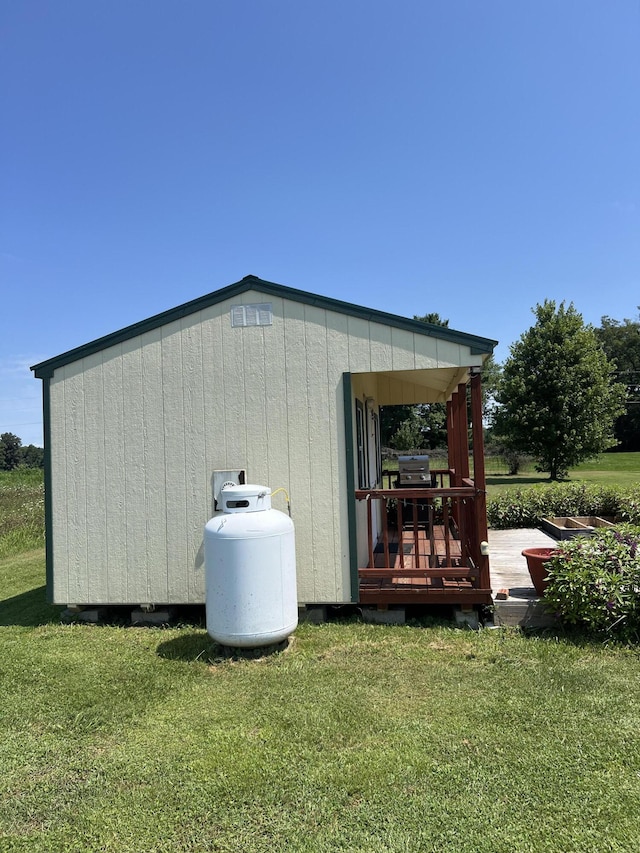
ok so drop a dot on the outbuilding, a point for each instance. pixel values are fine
(260, 383)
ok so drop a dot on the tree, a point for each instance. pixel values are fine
(491, 377)
(432, 317)
(410, 433)
(558, 398)
(10, 446)
(391, 419)
(32, 456)
(621, 343)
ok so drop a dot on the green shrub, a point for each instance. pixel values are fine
(526, 507)
(630, 506)
(594, 582)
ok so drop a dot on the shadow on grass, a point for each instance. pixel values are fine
(198, 646)
(29, 609)
(516, 481)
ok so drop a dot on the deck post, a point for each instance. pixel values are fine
(385, 531)
(400, 533)
(450, 433)
(479, 478)
(370, 534)
(462, 424)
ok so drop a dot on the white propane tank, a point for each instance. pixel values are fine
(250, 564)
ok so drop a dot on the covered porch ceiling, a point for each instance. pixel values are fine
(402, 387)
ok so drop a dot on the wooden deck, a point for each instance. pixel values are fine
(426, 569)
(508, 566)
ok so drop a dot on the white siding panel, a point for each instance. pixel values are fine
(255, 404)
(137, 589)
(403, 355)
(59, 500)
(76, 491)
(381, 352)
(319, 451)
(175, 438)
(451, 354)
(359, 345)
(115, 558)
(234, 412)
(337, 358)
(196, 497)
(95, 477)
(157, 492)
(276, 425)
(298, 428)
(214, 403)
(426, 352)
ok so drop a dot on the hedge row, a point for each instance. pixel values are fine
(527, 506)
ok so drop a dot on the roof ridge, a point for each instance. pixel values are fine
(477, 344)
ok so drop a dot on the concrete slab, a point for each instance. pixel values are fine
(93, 615)
(384, 617)
(466, 619)
(315, 615)
(521, 613)
(151, 618)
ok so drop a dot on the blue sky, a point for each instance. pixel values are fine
(471, 158)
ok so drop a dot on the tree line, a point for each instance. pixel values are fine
(13, 454)
(567, 392)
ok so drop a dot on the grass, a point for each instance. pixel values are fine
(21, 511)
(356, 738)
(609, 469)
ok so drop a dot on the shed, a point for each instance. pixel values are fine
(254, 380)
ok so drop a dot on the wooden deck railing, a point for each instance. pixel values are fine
(430, 534)
(390, 477)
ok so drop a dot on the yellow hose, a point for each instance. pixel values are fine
(282, 489)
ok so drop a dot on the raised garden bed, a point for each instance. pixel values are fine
(565, 527)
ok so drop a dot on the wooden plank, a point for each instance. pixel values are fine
(425, 595)
(370, 533)
(385, 531)
(416, 538)
(448, 550)
(468, 491)
(443, 572)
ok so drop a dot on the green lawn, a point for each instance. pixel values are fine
(609, 469)
(621, 469)
(357, 738)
